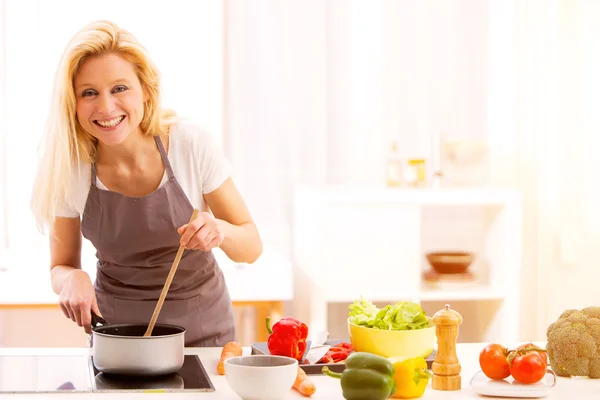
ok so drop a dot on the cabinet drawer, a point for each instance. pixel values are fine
(38, 326)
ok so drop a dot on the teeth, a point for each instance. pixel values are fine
(110, 123)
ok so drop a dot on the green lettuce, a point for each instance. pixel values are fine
(404, 315)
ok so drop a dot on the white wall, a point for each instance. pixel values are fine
(543, 127)
(519, 74)
(436, 72)
(572, 281)
(316, 90)
(3, 226)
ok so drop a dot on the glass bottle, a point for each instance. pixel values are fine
(394, 167)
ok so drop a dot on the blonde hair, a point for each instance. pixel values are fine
(66, 144)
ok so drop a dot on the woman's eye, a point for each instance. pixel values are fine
(88, 93)
(120, 88)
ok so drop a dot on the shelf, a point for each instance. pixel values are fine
(415, 196)
(350, 241)
(467, 294)
(477, 293)
(374, 298)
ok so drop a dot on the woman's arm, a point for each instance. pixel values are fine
(65, 251)
(77, 294)
(241, 240)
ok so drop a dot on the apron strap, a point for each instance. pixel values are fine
(163, 155)
(93, 174)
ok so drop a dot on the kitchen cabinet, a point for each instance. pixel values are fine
(355, 241)
(30, 316)
(44, 325)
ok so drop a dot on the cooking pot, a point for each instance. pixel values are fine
(122, 349)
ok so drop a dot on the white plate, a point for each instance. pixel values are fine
(510, 388)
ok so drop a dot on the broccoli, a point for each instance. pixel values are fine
(573, 343)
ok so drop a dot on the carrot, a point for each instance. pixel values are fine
(303, 384)
(231, 349)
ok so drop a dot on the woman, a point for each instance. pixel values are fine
(126, 174)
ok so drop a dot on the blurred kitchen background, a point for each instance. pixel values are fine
(365, 135)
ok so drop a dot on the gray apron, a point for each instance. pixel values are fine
(136, 241)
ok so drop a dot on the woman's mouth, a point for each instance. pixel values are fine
(109, 123)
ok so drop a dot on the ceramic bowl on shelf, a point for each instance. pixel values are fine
(450, 262)
(391, 343)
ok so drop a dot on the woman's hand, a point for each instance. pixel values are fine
(203, 233)
(77, 298)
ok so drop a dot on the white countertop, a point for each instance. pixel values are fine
(327, 388)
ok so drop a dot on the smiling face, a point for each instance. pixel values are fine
(109, 98)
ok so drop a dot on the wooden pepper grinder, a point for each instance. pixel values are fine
(446, 368)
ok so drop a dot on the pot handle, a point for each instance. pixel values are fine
(97, 320)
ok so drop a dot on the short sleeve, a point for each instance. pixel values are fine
(215, 167)
(67, 211)
(77, 196)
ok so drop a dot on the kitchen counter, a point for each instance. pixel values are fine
(30, 285)
(327, 388)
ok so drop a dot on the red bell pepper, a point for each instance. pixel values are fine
(287, 338)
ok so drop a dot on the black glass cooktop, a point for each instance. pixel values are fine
(191, 377)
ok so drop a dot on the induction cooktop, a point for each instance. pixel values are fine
(77, 374)
(191, 377)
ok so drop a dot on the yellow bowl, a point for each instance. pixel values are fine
(388, 343)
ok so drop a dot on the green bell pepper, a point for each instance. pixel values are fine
(367, 376)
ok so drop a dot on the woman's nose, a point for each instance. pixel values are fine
(105, 104)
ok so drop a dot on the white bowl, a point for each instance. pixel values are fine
(261, 377)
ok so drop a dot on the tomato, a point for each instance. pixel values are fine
(542, 354)
(529, 367)
(493, 362)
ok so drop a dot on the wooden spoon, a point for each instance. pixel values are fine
(165, 289)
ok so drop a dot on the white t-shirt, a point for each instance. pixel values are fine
(196, 159)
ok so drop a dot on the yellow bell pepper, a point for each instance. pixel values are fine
(411, 377)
